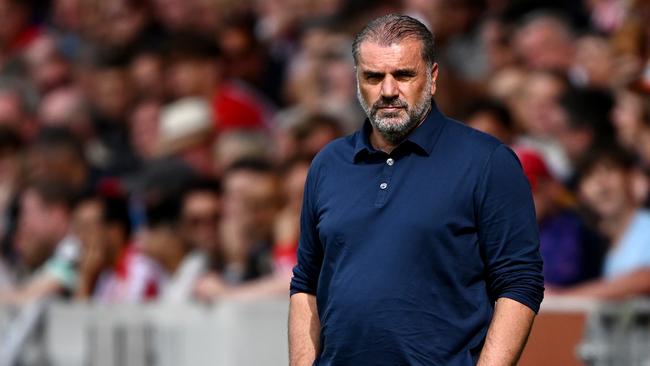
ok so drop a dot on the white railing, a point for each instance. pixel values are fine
(229, 333)
(249, 333)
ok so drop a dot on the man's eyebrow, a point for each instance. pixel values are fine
(404, 72)
(369, 74)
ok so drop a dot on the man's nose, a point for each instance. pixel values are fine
(389, 87)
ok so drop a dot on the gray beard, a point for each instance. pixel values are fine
(391, 126)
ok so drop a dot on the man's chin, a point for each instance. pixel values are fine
(391, 119)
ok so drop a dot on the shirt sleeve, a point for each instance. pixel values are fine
(310, 249)
(508, 232)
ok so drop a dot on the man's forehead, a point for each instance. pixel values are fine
(403, 51)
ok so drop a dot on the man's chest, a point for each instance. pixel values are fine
(412, 201)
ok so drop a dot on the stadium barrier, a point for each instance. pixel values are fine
(566, 332)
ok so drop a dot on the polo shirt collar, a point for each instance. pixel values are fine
(422, 139)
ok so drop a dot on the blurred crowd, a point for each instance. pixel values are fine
(157, 149)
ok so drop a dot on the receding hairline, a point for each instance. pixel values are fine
(395, 29)
(386, 44)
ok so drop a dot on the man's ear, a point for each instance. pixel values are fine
(434, 77)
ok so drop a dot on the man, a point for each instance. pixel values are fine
(111, 269)
(163, 241)
(200, 214)
(412, 228)
(44, 244)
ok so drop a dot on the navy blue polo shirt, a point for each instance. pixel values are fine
(407, 252)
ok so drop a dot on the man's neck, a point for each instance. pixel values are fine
(380, 143)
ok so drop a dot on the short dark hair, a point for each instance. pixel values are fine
(190, 46)
(394, 28)
(588, 108)
(60, 138)
(494, 108)
(612, 155)
(316, 121)
(55, 194)
(162, 210)
(116, 211)
(255, 165)
(202, 184)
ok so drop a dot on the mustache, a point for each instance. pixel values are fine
(389, 103)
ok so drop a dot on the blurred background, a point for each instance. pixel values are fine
(153, 155)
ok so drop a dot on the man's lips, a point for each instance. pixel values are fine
(390, 108)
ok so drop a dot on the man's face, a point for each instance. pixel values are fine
(200, 219)
(250, 198)
(39, 229)
(606, 190)
(394, 86)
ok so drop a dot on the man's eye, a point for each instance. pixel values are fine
(373, 78)
(404, 76)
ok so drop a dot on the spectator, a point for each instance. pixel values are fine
(235, 145)
(57, 156)
(595, 63)
(111, 268)
(492, 118)
(250, 204)
(605, 187)
(16, 32)
(571, 251)
(195, 69)
(541, 32)
(146, 70)
(314, 132)
(631, 113)
(186, 131)
(143, 124)
(247, 60)
(540, 119)
(164, 242)
(584, 123)
(285, 244)
(47, 249)
(47, 69)
(200, 217)
(111, 98)
(16, 108)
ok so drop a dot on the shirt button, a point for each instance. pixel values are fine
(390, 161)
(383, 185)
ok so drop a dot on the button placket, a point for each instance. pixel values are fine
(384, 181)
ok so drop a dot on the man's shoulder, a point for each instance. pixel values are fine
(467, 134)
(459, 135)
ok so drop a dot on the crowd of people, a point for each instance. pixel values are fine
(157, 149)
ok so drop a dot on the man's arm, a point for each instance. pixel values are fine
(304, 324)
(212, 287)
(304, 330)
(636, 283)
(510, 248)
(38, 288)
(507, 334)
